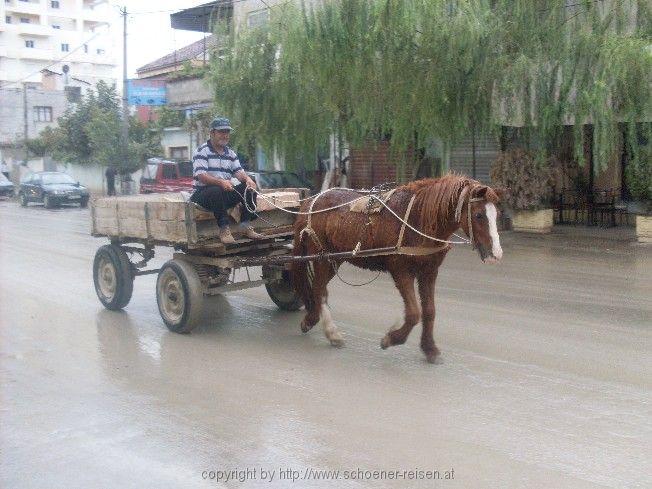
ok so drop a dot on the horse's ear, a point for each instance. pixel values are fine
(501, 193)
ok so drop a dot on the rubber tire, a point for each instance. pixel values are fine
(117, 262)
(23, 200)
(83, 203)
(182, 278)
(48, 203)
(282, 293)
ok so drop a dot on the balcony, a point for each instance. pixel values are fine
(35, 53)
(24, 8)
(34, 30)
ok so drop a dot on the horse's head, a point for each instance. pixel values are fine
(480, 204)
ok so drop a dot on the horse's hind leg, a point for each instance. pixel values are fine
(405, 283)
(427, 294)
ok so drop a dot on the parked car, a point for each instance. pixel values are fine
(6, 187)
(278, 179)
(52, 188)
(161, 175)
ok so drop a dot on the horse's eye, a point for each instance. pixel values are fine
(479, 215)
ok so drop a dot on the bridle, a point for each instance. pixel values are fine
(460, 203)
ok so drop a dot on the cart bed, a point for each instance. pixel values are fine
(168, 219)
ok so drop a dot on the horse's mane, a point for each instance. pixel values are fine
(436, 199)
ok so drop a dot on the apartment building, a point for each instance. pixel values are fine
(51, 51)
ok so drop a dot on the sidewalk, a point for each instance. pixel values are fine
(580, 237)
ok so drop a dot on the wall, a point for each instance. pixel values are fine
(12, 113)
(374, 165)
(188, 93)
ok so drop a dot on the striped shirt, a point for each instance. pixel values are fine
(206, 160)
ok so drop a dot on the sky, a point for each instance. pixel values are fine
(149, 35)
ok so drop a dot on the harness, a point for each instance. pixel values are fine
(399, 249)
(460, 204)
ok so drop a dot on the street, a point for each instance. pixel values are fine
(546, 380)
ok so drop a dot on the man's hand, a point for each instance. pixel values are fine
(226, 185)
(251, 184)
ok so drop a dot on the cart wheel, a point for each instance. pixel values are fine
(281, 291)
(113, 276)
(179, 296)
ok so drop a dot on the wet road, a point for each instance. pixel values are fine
(546, 381)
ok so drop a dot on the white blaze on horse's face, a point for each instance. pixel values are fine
(496, 250)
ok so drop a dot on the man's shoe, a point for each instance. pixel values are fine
(251, 234)
(225, 235)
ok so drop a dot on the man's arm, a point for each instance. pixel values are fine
(207, 179)
(246, 179)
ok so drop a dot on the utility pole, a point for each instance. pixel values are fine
(26, 122)
(125, 96)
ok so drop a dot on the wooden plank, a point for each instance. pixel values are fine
(173, 231)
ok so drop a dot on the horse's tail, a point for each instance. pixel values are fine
(302, 272)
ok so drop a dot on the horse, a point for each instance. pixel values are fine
(409, 238)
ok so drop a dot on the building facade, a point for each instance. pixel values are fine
(51, 52)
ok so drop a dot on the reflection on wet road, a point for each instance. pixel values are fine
(546, 380)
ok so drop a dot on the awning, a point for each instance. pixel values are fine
(202, 17)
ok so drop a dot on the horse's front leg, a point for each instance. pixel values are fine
(322, 273)
(426, 282)
(405, 283)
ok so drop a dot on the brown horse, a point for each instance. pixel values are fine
(432, 208)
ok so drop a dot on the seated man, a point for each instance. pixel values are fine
(214, 163)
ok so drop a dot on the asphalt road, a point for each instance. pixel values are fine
(546, 380)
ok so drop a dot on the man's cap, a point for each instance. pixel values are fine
(221, 124)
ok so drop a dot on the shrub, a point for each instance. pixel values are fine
(528, 184)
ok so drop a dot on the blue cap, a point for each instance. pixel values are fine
(221, 124)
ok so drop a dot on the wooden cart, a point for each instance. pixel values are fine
(201, 265)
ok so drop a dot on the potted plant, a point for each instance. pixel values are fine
(638, 175)
(529, 190)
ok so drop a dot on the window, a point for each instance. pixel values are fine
(149, 173)
(42, 114)
(54, 26)
(54, 4)
(24, 20)
(86, 48)
(65, 47)
(100, 51)
(179, 153)
(170, 172)
(256, 19)
(29, 44)
(8, 19)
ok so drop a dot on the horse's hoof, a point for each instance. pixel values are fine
(434, 358)
(337, 342)
(385, 342)
(304, 327)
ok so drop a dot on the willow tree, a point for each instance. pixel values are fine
(437, 69)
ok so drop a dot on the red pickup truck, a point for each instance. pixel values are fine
(162, 175)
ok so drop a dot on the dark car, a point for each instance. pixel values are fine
(6, 187)
(278, 179)
(53, 189)
(161, 175)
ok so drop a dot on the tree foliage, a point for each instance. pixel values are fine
(90, 132)
(436, 68)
